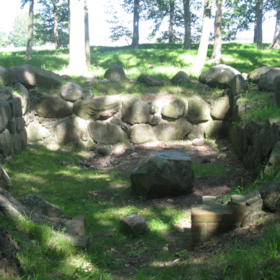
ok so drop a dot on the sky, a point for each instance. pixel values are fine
(99, 28)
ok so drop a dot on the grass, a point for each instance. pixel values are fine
(103, 196)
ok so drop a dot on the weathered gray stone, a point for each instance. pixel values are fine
(238, 85)
(46, 79)
(256, 206)
(23, 74)
(216, 129)
(166, 131)
(252, 217)
(16, 143)
(181, 79)
(162, 174)
(221, 109)
(102, 107)
(197, 131)
(107, 133)
(252, 197)
(39, 206)
(198, 142)
(255, 75)
(154, 119)
(133, 225)
(20, 124)
(266, 80)
(6, 93)
(53, 107)
(236, 135)
(273, 164)
(138, 112)
(115, 73)
(12, 125)
(103, 150)
(151, 81)
(76, 226)
(141, 133)
(5, 142)
(5, 181)
(198, 110)
(65, 131)
(71, 92)
(270, 193)
(10, 264)
(175, 109)
(80, 242)
(36, 132)
(218, 76)
(16, 106)
(276, 88)
(4, 76)
(23, 94)
(5, 113)
(241, 109)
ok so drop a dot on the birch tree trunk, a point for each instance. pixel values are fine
(87, 43)
(77, 53)
(259, 14)
(171, 21)
(187, 18)
(204, 40)
(276, 41)
(217, 48)
(28, 54)
(135, 40)
(55, 25)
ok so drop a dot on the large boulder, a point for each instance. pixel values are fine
(39, 206)
(216, 129)
(65, 131)
(255, 75)
(10, 264)
(270, 193)
(106, 133)
(181, 79)
(46, 79)
(141, 133)
(36, 132)
(23, 94)
(6, 93)
(218, 76)
(23, 74)
(71, 92)
(276, 86)
(175, 109)
(167, 131)
(238, 85)
(273, 164)
(137, 112)
(5, 181)
(266, 81)
(151, 81)
(198, 110)
(102, 107)
(162, 174)
(222, 109)
(4, 76)
(115, 73)
(197, 131)
(5, 113)
(5, 142)
(53, 107)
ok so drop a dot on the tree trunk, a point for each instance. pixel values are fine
(135, 40)
(255, 31)
(204, 40)
(55, 25)
(77, 53)
(171, 22)
(259, 13)
(217, 48)
(87, 44)
(28, 54)
(276, 42)
(187, 18)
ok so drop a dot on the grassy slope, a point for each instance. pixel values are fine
(39, 171)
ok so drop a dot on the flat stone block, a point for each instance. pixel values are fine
(81, 242)
(238, 204)
(252, 197)
(198, 227)
(76, 226)
(218, 228)
(208, 199)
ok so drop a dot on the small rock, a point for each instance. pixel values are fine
(131, 147)
(105, 81)
(223, 149)
(134, 155)
(169, 200)
(133, 225)
(104, 150)
(198, 142)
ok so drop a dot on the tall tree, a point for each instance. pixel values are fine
(87, 44)
(276, 38)
(217, 48)
(204, 40)
(187, 24)
(55, 24)
(136, 17)
(171, 21)
(28, 54)
(77, 53)
(259, 18)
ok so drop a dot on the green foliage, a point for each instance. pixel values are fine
(4, 41)
(18, 35)
(44, 23)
